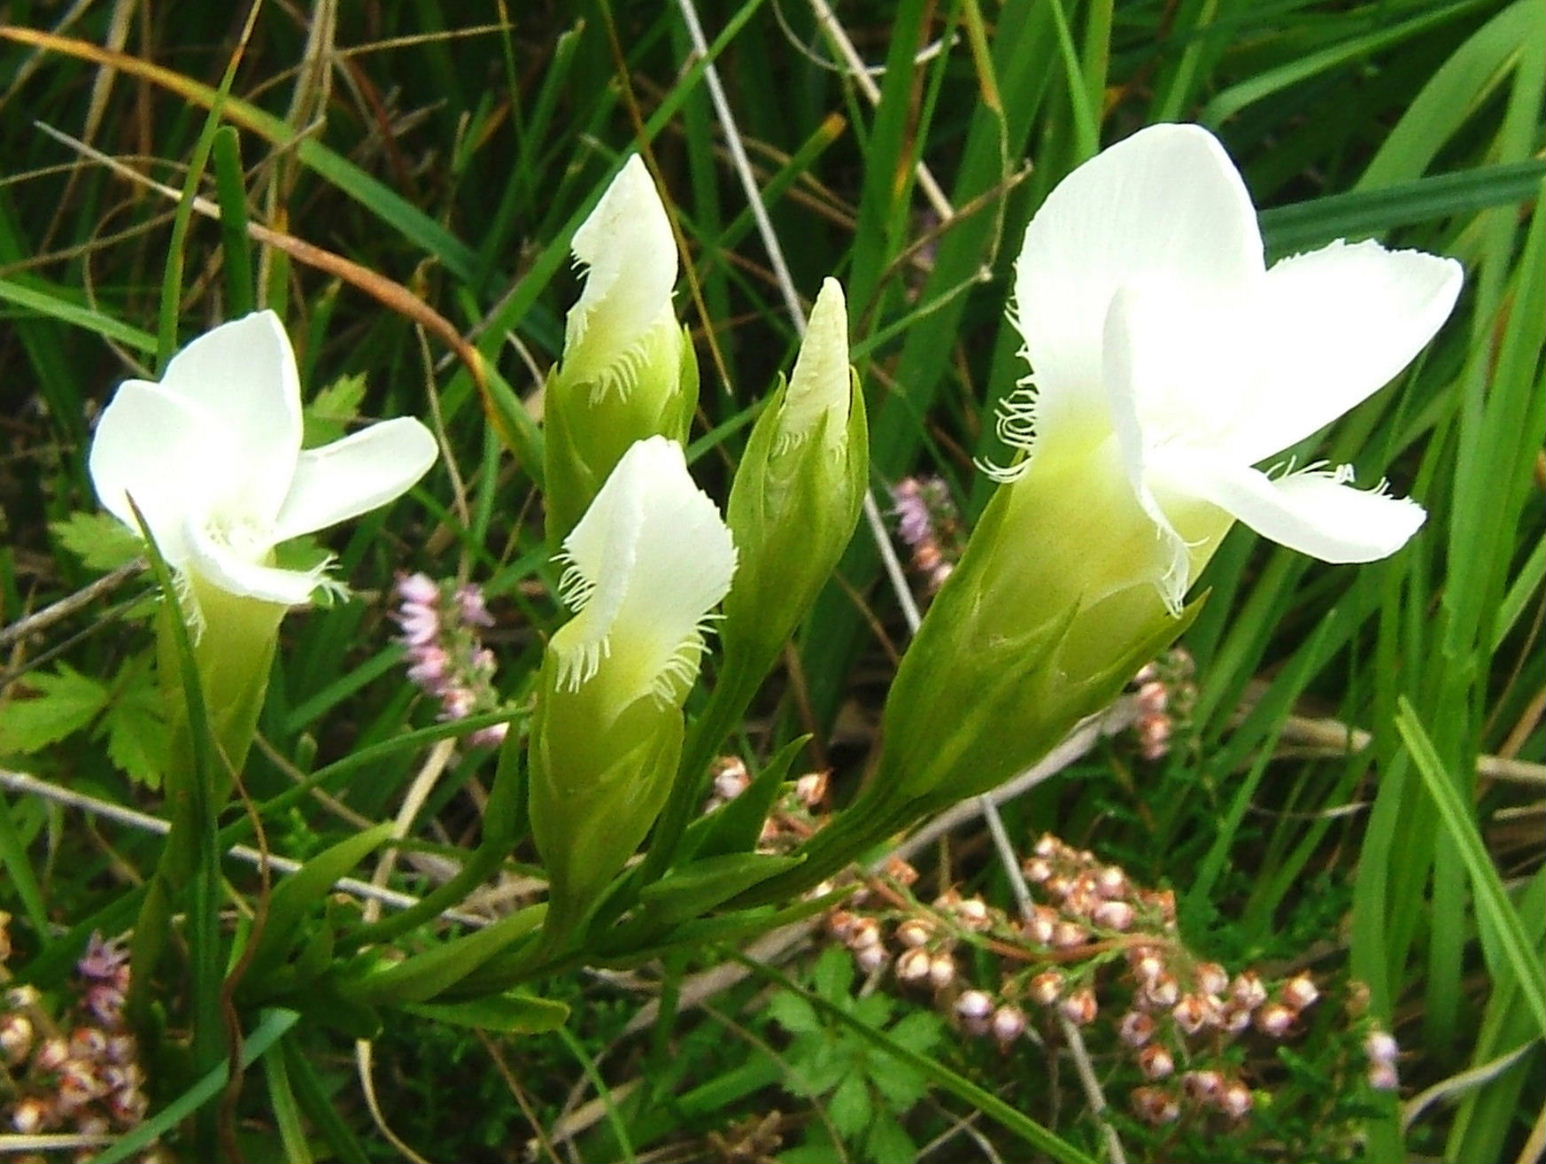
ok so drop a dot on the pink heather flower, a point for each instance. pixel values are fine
(1136, 1028)
(418, 588)
(471, 606)
(103, 960)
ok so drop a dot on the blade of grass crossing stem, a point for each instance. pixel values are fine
(1086, 122)
(172, 280)
(200, 835)
(962, 1088)
(317, 1104)
(614, 1117)
(1487, 1115)
(287, 1112)
(273, 1024)
(235, 246)
(1505, 942)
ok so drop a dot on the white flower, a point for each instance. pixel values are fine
(1160, 341)
(646, 564)
(212, 456)
(623, 320)
(819, 391)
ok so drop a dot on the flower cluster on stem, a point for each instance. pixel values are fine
(442, 625)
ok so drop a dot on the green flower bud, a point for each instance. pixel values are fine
(798, 491)
(645, 565)
(628, 371)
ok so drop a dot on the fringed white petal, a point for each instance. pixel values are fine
(624, 312)
(646, 564)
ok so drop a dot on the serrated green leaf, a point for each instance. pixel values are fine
(99, 540)
(138, 738)
(794, 1014)
(332, 410)
(66, 701)
(888, 1140)
(919, 1031)
(850, 1106)
(834, 975)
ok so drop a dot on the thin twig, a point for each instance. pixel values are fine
(27, 785)
(43, 619)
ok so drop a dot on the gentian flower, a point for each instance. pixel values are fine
(645, 565)
(627, 370)
(212, 456)
(1167, 361)
(1161, 344)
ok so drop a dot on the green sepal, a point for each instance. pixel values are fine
(295, 896)
(595, 791)
(426, 975)
(697, 888)
(509, 1013)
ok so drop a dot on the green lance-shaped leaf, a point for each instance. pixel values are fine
(644, 567)
(628, 371)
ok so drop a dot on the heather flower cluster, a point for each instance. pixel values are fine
(442, 627)
(928, 521)
(1165, 693)
(1103, 954)
(81, 1076)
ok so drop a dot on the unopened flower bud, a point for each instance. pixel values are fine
(1008, 1023)
(22, 997)
(1147, 964)
(1080, 1007)
(16, 1034)
(1152, 698)
(872, 958)
(1112, 882)
(1046, 987)
(864, 932)
(1114, 915)
(1156, 1105)
(1156, 1062)
(1248, 990)
(1299, 991)
(973, 1008)
(1037, 870)
(1212, 978)
(913, 965)
(1163, 992)
(1136, 1028)
(841, 923)
(730, 777)
(1048, 845)
(31, 1116)
(52, 1055)
(942, 971)
(1274, 1020)
(1234, 1018)
(1066, 935)
(1192, 1013)
(1236, 1100)
(900, 871)
(1204, 1086)
(1381, 1046)
(1040, 925)
(973, 911)
(914, 931)
(811, 789)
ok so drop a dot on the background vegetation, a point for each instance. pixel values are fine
(411, 173)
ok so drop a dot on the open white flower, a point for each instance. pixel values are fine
(1160, 341)
(623, 321)
(212, 456)
(646, 564)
